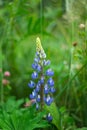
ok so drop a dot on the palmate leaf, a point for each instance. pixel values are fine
(32, 120)
(12, 105)
(22, 119)
(6, 121)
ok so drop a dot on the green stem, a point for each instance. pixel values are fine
(70, 65)
(42, 96)
(42, 92)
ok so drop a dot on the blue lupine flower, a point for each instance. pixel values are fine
(34, 75)
(34, 66)
(42, 80)
(44, 87)
(49, 72)
(52, 89)
(46, 62)
(48, 100)
(33, 95)
(39, 68)
(49, 117)
(37, 54)
(39, 83)
(50, 82)
(37, 88)
(31, 84)
(36, 60)
(37, 106)
(38, 98)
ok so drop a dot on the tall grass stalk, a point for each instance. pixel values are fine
(70, 64)
(41, 17)
(1, 77)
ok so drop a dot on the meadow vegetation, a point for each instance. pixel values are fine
(62, 28)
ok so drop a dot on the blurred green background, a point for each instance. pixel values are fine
(62, 28)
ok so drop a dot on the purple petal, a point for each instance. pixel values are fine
(50, 82)
(48, 100)
(34, 75)
(38, 98)
(46, 89)
(52, 89)
(31, 84)
(46, 62)
(49, 72)
(34, 65)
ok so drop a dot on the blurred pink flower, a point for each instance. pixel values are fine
(7, 73)
(28, 104)
(5, 82)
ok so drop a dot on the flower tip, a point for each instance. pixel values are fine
(38, 40)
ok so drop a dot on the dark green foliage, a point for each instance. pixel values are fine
(13, 117)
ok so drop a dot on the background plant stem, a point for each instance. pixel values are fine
(1, 78)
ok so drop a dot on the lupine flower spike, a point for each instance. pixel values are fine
(42, 82)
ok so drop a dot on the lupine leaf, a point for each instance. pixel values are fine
(21, 118)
